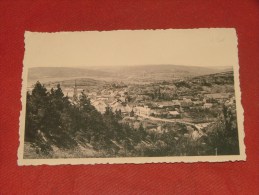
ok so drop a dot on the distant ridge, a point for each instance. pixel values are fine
(143, 73)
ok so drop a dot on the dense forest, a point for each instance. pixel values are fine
(55, 121)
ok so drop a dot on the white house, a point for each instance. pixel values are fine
(139, 110)
(174, 113)
(117, 105)
(99, 105)
(207, 105)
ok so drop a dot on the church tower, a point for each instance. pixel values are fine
(75, 96)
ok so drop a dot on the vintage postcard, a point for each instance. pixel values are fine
(131, 96)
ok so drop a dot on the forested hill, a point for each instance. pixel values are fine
(226, 77)
(144, 73)
(53, 121)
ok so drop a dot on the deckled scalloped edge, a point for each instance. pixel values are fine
(133, 160)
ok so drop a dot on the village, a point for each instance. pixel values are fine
(193, 102)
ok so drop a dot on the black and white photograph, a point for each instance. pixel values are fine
(131, 96)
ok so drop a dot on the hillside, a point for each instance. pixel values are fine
(146, 73)
(222, 78)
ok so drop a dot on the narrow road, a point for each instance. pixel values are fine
(197, 126)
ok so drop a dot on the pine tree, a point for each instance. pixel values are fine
(224, 135)
(30, 123)
(36, 110)
(118, 114)
(142, 131)
(37, 103)
(131, 113)
(85, 103)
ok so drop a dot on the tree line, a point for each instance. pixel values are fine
(53, 120)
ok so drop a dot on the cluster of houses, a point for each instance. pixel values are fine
(118, 99)
(161, 109)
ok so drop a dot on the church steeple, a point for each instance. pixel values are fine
(75, 96)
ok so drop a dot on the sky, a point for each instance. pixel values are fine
(192, 47)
